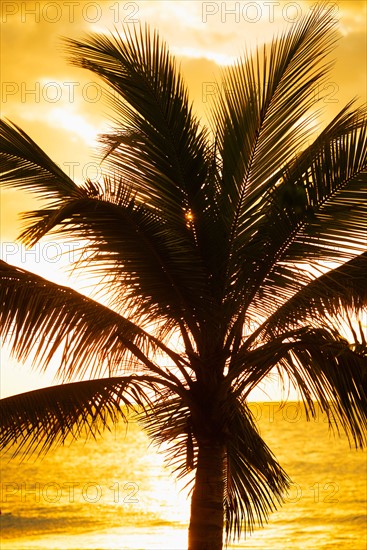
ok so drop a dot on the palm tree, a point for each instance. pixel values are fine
(211, 244)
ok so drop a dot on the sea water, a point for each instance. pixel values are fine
(115, 493)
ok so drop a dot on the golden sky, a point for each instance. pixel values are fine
(61, 107)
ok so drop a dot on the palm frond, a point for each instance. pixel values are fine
(160, 148)
(338, 291)
(160, 269)
(323, 366)
(44, 418)
(255, 482)
(24, 165)
(38, 318)
(158, 145)
(327, 222)
(258, 117)
(309, 214)
(168, 424)
(359, 344)
(253, 362)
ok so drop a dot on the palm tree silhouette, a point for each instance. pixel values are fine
(214, 242)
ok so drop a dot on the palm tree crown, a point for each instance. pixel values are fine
(213, 242)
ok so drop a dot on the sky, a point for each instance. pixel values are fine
(62, 107)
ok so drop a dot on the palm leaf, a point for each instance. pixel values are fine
(163, 152)
(342, 289)
(330, 227)
(309, 214)
(160, 270)
(258, 122)
(323, 363)
(26, 166)
(158, 146)
(167, 422)
(323, 366)
(39, 317)
(255, 482)
(44, 418)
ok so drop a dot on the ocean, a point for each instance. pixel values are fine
(115, 493)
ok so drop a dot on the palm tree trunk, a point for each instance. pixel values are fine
(207, 513)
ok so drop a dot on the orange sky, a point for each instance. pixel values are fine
(61, 108)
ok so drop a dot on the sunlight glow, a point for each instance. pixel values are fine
(194, 53)
(66, 117)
